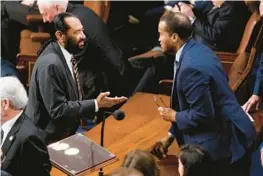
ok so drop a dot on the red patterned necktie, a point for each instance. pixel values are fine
(76, 76)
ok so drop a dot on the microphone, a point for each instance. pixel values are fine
(118, 115)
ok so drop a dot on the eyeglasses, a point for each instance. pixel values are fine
(161, 100)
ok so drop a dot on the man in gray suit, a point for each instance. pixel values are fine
(55, 96)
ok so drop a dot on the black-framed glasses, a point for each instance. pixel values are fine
(161, 100)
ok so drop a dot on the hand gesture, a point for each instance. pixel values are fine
(186, 9)
(254, 101)
(105, 102)
(167, 114)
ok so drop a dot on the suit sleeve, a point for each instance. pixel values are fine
(52, 91)
(195, 87)
(35, 157)
(99, 36)
(258, 88)
(213, 32)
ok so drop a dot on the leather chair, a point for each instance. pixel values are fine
(251, 30)
(30, 42)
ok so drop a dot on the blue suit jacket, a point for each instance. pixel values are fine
(207, 110)
(7, 69)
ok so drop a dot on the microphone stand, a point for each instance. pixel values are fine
(101, 173)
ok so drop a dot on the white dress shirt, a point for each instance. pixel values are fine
(177, 59)
(68, 57)
(6, 127)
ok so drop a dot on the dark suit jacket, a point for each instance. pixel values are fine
(258, 87)
(102, 55)
(222, 28)
(24, 152)
(207, 110)
(53, 101)
(8, 69)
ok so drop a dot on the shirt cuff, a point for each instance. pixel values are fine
(171, 135)
(157, 48)
(192, 19)
(96, 106)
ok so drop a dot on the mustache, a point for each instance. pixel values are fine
(83, 50)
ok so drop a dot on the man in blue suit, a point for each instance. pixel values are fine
(203, 110)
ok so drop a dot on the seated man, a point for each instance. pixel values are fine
(219, 26)
(24, 152)
(56, 102)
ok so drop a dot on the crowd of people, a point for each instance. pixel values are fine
(81, 70)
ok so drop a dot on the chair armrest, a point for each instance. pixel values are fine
(167, 83)
(166, 86)
(226, 56)
(34, 18)
(148, 55)
(39, 36)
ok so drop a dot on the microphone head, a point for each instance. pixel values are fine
(118, 114)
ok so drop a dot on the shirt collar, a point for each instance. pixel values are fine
(66, 54)
(179, 53)
(10, 123)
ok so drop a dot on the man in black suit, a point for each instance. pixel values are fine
(24, 152)
(220, 25)
(55, 96)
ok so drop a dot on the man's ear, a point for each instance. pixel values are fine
(59, 35)
(174, 37)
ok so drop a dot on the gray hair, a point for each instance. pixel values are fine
(61, 3)
(13, 90)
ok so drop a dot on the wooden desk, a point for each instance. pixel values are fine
(141, 128)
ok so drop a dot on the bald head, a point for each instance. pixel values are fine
(50, 8)
(177, 23)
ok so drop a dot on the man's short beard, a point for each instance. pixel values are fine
(72, 47)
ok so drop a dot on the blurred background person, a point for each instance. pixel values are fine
(143, 161)
(24, 151)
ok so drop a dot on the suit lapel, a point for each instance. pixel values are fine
(10, 138)
(175, 103)
(68, 73)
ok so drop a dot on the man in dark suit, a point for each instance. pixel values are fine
(102, 55)
(8, 69)
(256, 79)
(55, 97)
(24, 152)
(219, 26)
(203, 110)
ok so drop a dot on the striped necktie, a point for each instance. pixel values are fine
(76, 76)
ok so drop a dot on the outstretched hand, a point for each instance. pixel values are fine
(105, 102)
